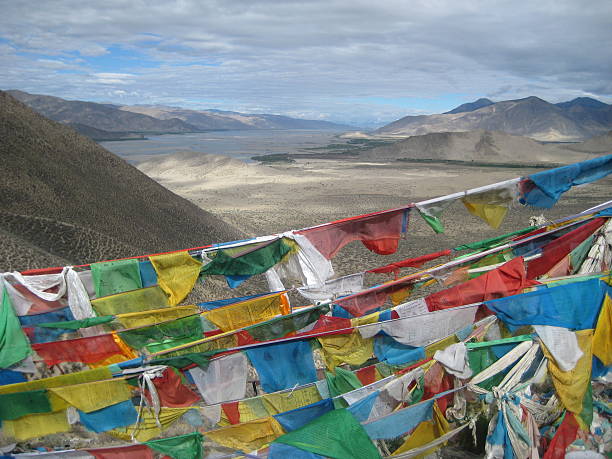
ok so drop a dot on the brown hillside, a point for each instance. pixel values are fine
(65, 199)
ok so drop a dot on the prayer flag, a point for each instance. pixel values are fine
(177, 273)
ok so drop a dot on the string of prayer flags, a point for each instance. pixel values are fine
(546, 187)
(508, 279)
(110, 417)
(188, 446)
(379, 232)
(177, 273)
(415, 262)
(14, 346)
(284, 365)
(133, 301)
(112, 277)
(247, 436)
(336, 434)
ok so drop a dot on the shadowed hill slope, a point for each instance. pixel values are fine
(65, 199)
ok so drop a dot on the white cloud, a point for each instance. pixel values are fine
(316, 57)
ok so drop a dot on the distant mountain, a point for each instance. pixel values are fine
(151, 119)
(471, 106)
(67, 200)
(220, 119)
(480, 146)
(100, 116)
(531, 117)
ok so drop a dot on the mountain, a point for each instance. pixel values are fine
(219, 119)
(471, 106)
(147, 119)
(100, 116)
(101, 135)
(67, 200)
(480, 146)
(531, 117)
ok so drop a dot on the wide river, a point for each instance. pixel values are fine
(237, 144)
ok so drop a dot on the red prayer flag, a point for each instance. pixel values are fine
(367, 375)
(565, 436)
(416, 262)
(379, 232)
(172, 392)
(232, 412)
(85, 350)
(553, 252)
(122, 452)
(509, 279)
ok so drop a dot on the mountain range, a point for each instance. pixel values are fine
(110, 121)
(66, 200)
(532, 117)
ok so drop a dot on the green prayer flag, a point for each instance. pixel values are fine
(112, 277)
(342, 382)
(164, 335)
(188, 446)
(434, 222)
(76, 324)
(579, 254)
(281, 326)
(255, 259)
(488, 243)
(481, 358)
(201, 359)
(14, 406)
(336, 434)
(14, 346)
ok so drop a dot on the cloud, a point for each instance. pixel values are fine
(317, 58)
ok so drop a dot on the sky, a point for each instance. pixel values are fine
(361, 62)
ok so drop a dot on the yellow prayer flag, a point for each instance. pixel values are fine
(351, 348)
(96, 395)
(248, 312)
(400, 296)
(440, 345)
(426, 432)
(147, 428)
(155, 316)
(58, 381)
(492, 214)
(247, 436)
(286, 401)
(139, 300)
(36, 425)
(177, 273)
(602, 338)
(572, 385)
